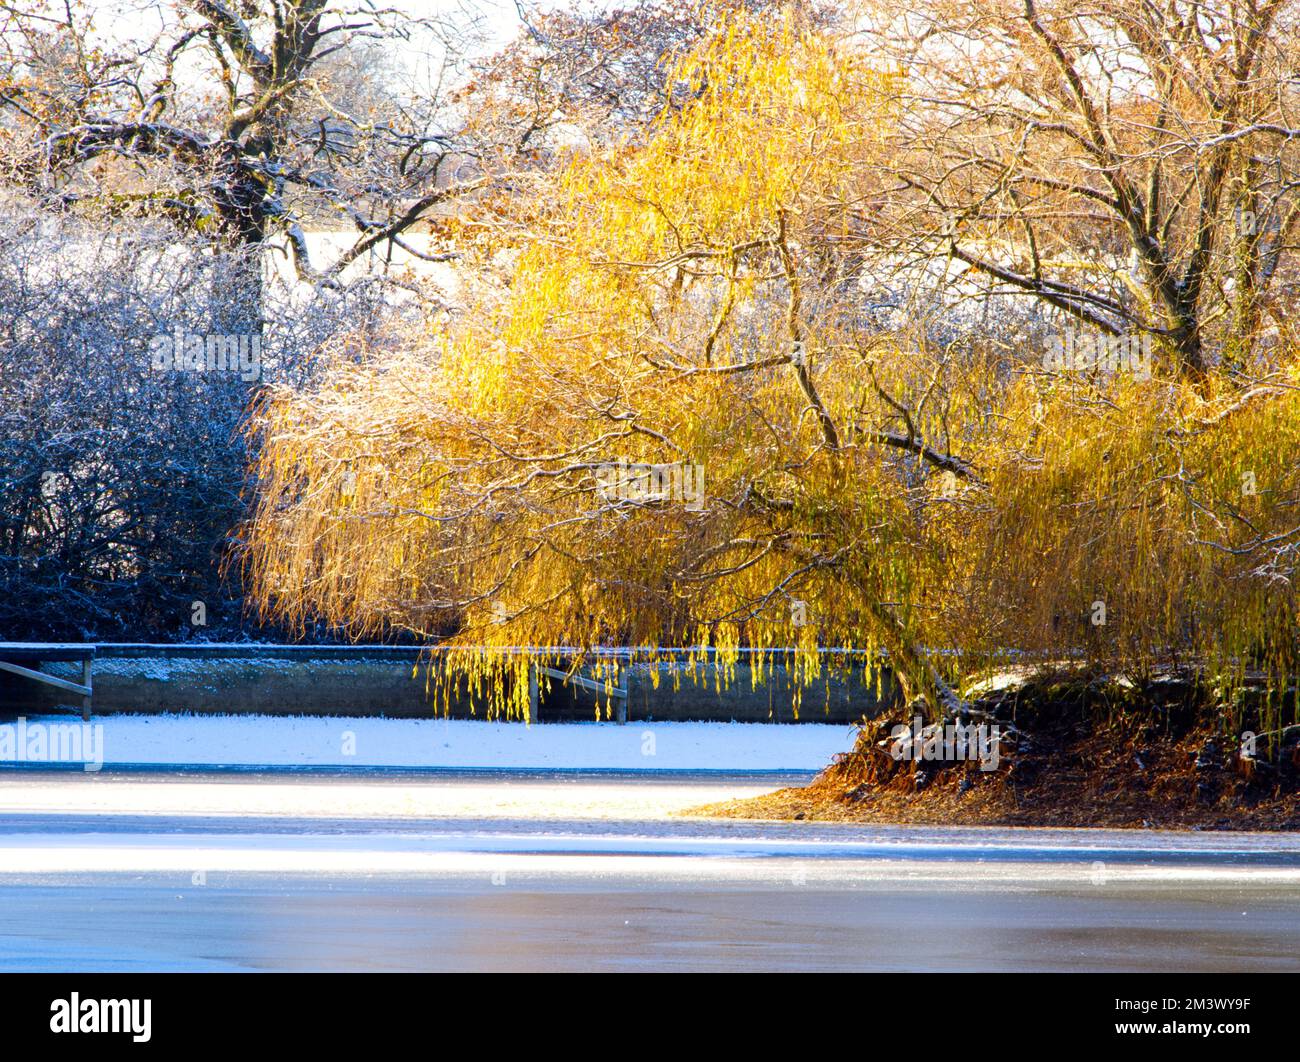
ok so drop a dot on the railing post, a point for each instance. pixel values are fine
(86, 668)
(534, 695)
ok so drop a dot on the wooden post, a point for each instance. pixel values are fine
(85, 681)
(622, 695)
(534, 695)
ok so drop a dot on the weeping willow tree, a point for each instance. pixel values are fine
(688, 421)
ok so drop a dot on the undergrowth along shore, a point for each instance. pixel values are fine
(1071, 751)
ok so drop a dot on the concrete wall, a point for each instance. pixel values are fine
(379, 681)
(771, 700)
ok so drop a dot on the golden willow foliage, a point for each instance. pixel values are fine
(692, 301)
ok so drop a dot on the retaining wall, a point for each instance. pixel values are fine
(391, 681)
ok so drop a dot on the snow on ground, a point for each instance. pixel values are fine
(728, 862)
(308, 741)
(174, 798)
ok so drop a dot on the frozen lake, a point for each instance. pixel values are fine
(529, 871)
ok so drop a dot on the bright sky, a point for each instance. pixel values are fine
(140, 19)
(128, 18)
(497, 21)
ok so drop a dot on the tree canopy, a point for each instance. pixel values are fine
(786, 371)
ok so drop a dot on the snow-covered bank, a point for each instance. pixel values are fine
(301, 741)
